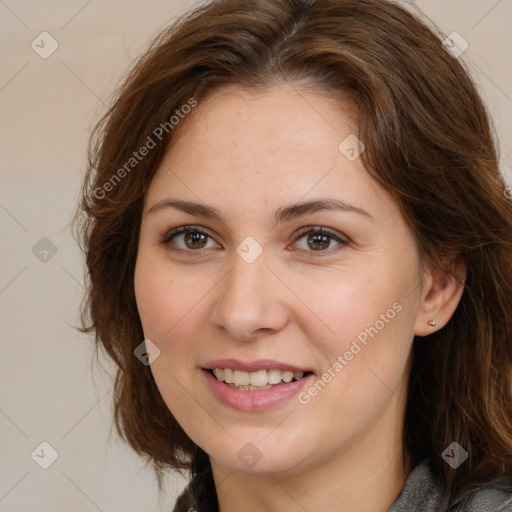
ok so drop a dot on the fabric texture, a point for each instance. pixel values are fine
(421, 493)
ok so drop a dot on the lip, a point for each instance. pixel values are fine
(252, 366)
(253, 401)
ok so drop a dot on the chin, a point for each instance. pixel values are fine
(261, 456)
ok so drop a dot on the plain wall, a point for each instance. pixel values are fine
(48, 107)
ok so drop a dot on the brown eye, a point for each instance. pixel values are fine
(188, 238)
(319, 239)
(194, 240)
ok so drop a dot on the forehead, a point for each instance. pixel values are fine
(262, 123)
(285, 142)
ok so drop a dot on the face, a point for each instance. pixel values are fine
(265, 291)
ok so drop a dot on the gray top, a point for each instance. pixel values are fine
(421, 493)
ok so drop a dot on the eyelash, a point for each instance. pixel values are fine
(197, 229)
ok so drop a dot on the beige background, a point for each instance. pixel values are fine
(47, 109)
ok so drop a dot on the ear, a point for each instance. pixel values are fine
(441, 296)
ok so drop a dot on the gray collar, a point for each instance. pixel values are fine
(422, 492)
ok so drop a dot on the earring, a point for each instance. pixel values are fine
(432, 323)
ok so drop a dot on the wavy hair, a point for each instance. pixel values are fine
(429, 141)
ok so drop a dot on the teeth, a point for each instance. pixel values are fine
(241, 378)
(249, 388)
(261, 379)
(274, 376)
(287, 376)
(258, 378)
(228, 376)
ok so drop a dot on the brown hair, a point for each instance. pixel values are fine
(428, 141)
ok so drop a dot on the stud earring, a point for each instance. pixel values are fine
(432, 323)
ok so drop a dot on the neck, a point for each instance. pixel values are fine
(369, 476)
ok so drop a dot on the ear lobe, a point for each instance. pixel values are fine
(442, 296)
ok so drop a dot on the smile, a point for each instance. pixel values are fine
(254, 386)
(256, 380)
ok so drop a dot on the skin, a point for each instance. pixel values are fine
(248, 154)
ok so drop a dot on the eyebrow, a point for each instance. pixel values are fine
(283, 214)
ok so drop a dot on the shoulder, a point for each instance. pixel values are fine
(491, 498)
(423, 492)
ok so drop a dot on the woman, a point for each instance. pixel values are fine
(298, 243)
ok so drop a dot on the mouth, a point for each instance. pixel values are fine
(254, 386)
(256, 380)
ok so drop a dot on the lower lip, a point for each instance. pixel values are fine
(259, 400)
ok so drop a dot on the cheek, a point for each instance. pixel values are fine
(365, 366)
(165, 303)
(368, 319)
(349, 303)
(163, 298)
(152, 297)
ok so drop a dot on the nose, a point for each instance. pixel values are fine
(250, 300)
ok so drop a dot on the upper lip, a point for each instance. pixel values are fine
(252, 366)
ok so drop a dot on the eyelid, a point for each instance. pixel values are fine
(315, 228)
